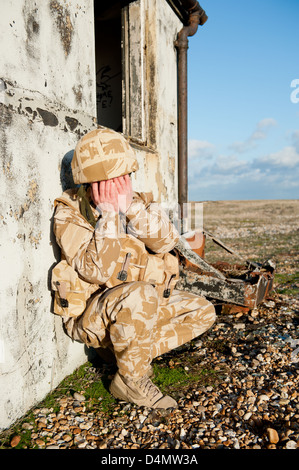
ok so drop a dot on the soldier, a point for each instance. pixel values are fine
(115, 284)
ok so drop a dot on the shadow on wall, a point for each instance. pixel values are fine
(66, 176)
(67, 182)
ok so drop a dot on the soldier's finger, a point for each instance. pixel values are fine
(102, 192)
(107, 190)
(127, 180)
(125, 183)
(111, 190)
(114, 192)
(95, 191)
(118, 185)
(114, 195)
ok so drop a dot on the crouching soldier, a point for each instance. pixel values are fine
(115, 284)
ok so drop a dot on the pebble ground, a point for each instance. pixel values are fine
(251, 403)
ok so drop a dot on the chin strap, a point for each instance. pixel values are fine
(85, 207)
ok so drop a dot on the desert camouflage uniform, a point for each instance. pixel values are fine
(141, 315)
(131, 317)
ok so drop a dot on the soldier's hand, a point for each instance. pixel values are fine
(123, 186)
(105, 195)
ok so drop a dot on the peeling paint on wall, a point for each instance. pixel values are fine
(151, 83)
(38, 108)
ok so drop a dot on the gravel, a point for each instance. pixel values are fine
(252, 404)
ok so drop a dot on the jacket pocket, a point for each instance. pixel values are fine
(162, 271)
(131, 263)
(70, 291)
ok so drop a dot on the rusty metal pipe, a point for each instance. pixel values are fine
(197, 16)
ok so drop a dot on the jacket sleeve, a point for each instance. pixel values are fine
(91, 252)
(150, 223)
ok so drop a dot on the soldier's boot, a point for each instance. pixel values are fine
(141, 391)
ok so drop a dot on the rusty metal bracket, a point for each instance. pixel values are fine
(245, 285)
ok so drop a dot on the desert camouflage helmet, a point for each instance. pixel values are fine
(102, 154)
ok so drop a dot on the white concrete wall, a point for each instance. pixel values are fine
(47, 101)
(47, 57)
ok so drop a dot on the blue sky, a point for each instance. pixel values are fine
(243, 101)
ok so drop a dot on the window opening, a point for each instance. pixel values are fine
(108, 59)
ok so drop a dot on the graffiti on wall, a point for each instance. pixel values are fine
(105, 95)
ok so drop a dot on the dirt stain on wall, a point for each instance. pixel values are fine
(30, 199)
(32, 27)
(64, 24)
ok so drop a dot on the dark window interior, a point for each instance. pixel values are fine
(108, 64)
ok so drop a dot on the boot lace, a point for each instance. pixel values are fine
(147, 387)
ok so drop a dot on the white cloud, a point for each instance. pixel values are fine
(230, 164)
(200, 148)
(259, 133)
(288, 157)
(295, 139)
(274, 175)
(266, 123)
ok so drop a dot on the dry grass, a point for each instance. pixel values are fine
(257, 230)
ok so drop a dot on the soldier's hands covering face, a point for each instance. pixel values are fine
(113, 195)
(125, 193)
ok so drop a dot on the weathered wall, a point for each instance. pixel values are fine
(47, 102)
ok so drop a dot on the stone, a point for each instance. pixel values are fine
(291, 445)
(262, 398)
(79, 397)
(76, 430)
(40, 442)
(15, 441)
(27, 426)
(272, 436)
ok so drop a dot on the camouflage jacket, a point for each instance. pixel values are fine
(120, 248)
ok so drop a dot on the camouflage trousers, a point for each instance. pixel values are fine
(129, 319)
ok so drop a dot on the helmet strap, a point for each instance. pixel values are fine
(85, 208)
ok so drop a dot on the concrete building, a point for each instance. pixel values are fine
(67, 66)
